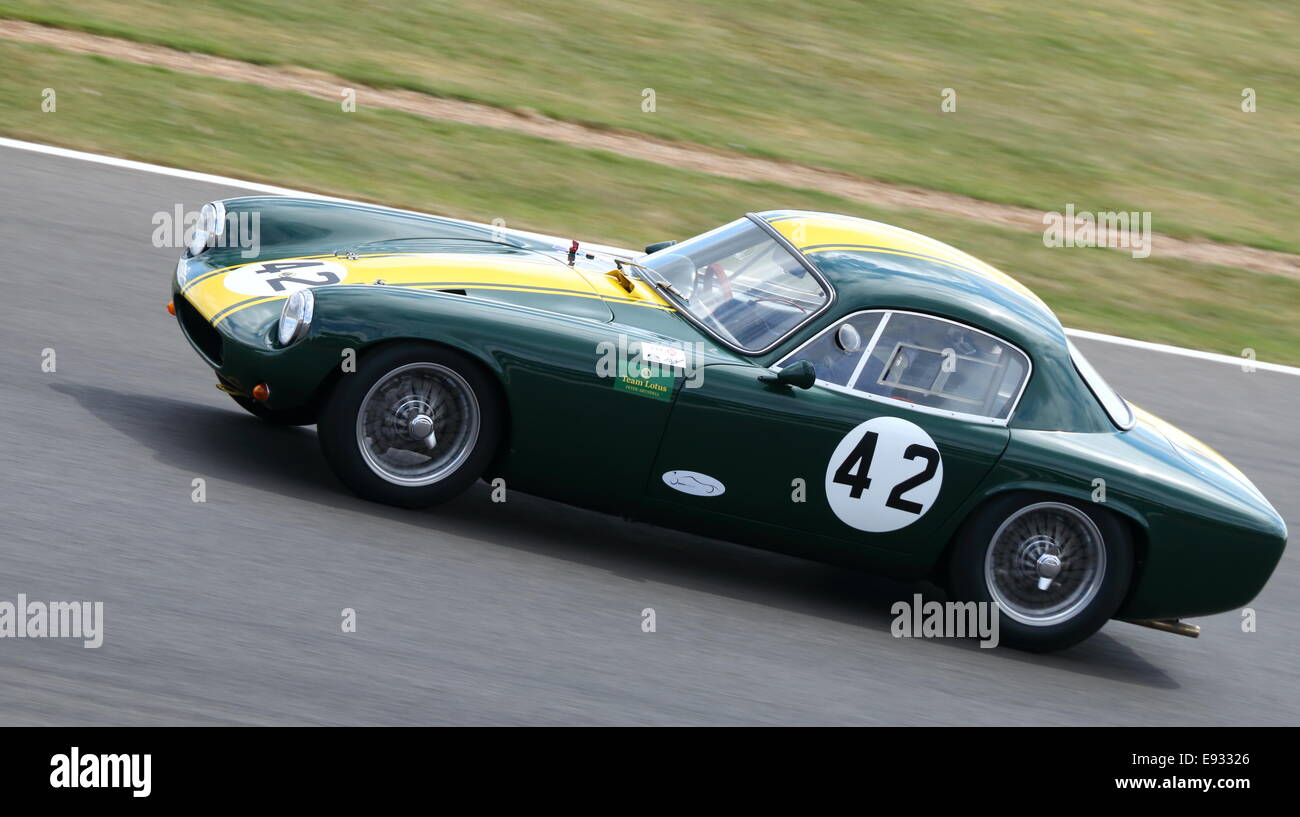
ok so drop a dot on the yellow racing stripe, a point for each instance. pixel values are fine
(218, 294)
(204, 276)
(827, 230)
(1179, 437)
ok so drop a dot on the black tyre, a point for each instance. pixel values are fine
(297, 417)
(1058, 568)
(414, 426)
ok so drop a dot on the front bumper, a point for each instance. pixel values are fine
(243, 354)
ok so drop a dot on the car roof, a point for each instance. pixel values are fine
(878, 266)
(875, 265)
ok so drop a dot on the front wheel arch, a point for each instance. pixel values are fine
(485, 363)
(339, 422)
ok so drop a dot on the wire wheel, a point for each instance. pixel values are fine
(1045, 563)
(417, 424)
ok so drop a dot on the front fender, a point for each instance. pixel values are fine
(350, 320)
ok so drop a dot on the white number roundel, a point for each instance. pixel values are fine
(884, 475)
(270, 278)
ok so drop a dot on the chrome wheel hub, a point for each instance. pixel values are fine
(417, 424)
(1049, 567)
(1045, 563)
(421, 428)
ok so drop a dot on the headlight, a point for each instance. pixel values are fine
(296, 316)
(211, 224)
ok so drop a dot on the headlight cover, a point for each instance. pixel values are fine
(211, 225)
(296, 316)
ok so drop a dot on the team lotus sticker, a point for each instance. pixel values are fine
(694, 483)
(884, 475)
(271, 278)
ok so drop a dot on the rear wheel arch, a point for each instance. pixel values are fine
(1126, 514)
(962, 568)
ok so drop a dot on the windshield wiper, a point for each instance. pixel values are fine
(654, 277)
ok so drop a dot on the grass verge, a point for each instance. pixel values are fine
(1109, 105)
(284, 138)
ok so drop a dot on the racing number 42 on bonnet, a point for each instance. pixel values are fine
(941, 422)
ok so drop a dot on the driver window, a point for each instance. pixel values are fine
(834, 354)
(923, 361)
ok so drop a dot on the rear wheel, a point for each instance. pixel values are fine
(1058, 569)
(413, 426)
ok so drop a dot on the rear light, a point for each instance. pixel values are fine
(171, 308)
(261, 392)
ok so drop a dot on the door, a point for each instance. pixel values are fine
(897, 432)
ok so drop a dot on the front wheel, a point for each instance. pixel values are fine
(414, 426)
(1057, 568)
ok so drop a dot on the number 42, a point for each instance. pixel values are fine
(860, 459)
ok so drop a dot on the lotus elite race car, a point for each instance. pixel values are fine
(815, 384)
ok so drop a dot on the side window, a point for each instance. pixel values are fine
(924, 361)
(833, 353)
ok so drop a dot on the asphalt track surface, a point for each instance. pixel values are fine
(527, 612)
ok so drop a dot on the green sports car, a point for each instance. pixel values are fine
(816, 384)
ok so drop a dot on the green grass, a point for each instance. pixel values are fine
(1111, 105)
(250, 132)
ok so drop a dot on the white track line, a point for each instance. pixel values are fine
(274, 190)
(1178, 350)
(258, 187)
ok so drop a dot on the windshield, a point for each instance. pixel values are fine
(741, 284)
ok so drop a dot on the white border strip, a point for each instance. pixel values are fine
(1180, 351)
(274, 190)
(269, 189)
(145, 167)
